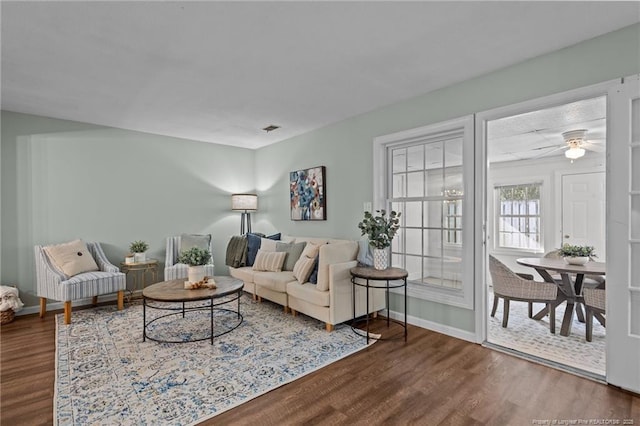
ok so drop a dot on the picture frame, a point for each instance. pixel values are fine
(307, 192)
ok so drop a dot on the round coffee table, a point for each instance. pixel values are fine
(167, 294)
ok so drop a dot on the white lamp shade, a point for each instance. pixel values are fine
(574, 152)
(244, 202)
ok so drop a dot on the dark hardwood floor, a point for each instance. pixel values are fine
(430, 380)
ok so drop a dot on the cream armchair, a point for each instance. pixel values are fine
(52, 283)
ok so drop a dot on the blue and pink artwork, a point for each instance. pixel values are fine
(308, 194)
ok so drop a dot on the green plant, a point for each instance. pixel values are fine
(380, 229)
(194, 256)
(138, 247)
(567, 250)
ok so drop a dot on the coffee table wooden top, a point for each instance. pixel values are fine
(174, 291)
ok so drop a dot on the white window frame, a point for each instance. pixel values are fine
(463, 297)
(497, 216)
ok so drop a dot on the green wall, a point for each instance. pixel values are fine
(63, 180)
(346, 148)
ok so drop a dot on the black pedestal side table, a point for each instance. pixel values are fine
(390, 276)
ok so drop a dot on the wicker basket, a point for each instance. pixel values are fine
(7, 316)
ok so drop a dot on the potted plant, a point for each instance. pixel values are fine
(139, 248)
(577, 255)
(196, 258)
(380, 231)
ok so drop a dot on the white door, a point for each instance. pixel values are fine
(623, 229)
(583, 211)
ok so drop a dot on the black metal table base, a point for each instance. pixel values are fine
(183, 310)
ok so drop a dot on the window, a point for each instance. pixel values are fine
(423, 177)
(519, 219)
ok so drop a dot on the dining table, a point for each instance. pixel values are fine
(570, 285)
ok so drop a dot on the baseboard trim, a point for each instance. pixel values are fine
(52, 306)
(437, 327)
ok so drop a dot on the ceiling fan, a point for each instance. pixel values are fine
(576, 145)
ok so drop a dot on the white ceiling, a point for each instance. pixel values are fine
(221, 71)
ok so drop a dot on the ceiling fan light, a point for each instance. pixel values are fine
(574, 153)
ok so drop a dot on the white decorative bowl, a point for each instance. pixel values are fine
(576, 260)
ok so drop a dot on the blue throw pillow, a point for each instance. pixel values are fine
(253, 245)
(313, 278)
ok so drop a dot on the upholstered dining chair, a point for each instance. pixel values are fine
(174, 270)
(510, 286)
(594, 303)
(54, 283)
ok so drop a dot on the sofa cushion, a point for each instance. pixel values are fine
(293, 250)
(269, 261)
(71, 258)
(267, 244)
(188, 241)
(314, 240)
(311, 250)
(245, 273)
(309, 293)
(276, 281)
(303, 268)
(334, 253)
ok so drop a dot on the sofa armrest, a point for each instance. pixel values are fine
(101, 258)
(341, 291)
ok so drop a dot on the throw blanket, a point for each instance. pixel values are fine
(237, 251)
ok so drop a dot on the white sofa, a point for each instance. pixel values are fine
(331, 299)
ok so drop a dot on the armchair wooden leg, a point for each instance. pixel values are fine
(530, 309)
(329, 327)
(67, 312)
(495, 305)
(94, 300)
(505, 314)
(552, 317)
(294, 312)
(120, 300)
(43, 306)
(286, 309)
(260, 299)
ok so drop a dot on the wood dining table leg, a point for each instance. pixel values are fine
(565, 330)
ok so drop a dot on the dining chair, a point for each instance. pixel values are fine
(594, 303)
(510, 286)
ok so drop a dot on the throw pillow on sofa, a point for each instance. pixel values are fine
(293, 250)
(302, 269)
(254, 243)
(270, 261)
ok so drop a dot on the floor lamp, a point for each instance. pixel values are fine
(244, 203)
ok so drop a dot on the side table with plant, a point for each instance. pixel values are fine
(380, 230)
(577, 255)
(196, 258)
(139, 249)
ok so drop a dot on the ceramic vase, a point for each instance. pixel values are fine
(576, 260)
(380, 258)
(140, 257)
(196, 273)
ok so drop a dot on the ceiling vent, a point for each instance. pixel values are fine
(271, 128)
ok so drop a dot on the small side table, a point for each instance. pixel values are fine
(388, 275)
(139, 271)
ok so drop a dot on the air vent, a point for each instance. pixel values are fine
(271, 128)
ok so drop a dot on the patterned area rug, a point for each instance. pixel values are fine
(105, 374)
(533, 337)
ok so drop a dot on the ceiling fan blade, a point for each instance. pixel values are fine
(595, 147)
(546, 153)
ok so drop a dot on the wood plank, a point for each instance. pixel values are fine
(431, 379)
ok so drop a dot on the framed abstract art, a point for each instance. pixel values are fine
(308, 194)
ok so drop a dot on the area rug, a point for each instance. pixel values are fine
(532, 337)
(105, 374)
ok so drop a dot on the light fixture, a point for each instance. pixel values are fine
(244, 203)
(574, 138)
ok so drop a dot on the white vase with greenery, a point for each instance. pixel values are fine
(196, 258)
(139, 249)
(577, 255)
(380, 231)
